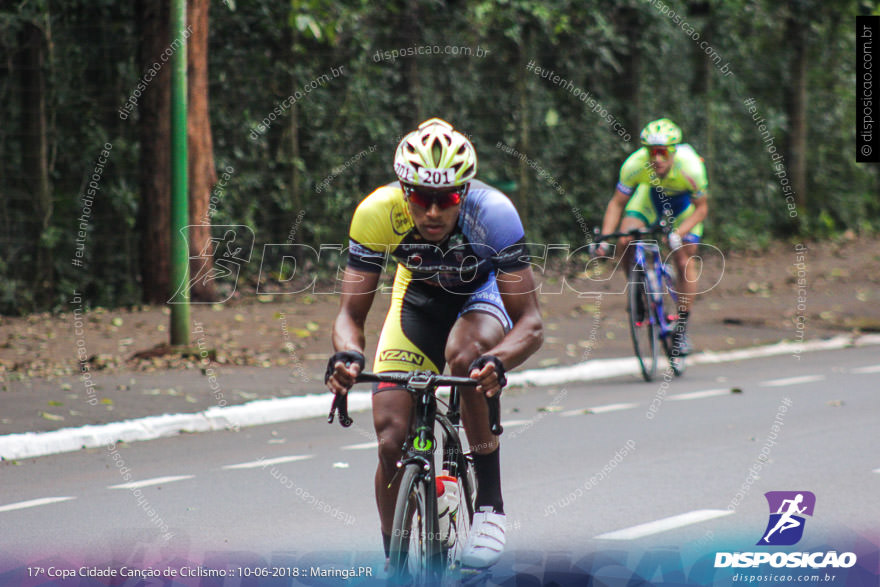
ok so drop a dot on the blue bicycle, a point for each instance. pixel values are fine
(651, 289)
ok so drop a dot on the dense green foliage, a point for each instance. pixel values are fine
(300, 179)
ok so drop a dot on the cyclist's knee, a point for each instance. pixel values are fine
(390, 447)
(391, 432)
(461, 357)
(473, 335)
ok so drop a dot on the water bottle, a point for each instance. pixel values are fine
(447, 507)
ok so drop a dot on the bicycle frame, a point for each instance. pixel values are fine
(416, 498)
(658, 276)
(648, 268)
(421, 442)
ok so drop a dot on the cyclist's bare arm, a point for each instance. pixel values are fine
(358, 291)
(517, 290)
(614, 211)
(701, 209)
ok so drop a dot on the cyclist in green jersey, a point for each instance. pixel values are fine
(664, 178)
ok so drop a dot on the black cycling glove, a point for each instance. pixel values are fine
(346, 357)
(481, 362)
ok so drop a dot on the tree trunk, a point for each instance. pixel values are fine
(701, 63)
(202, 174)
(796, 109)
(296, 194)
(625, 83)
(524, 188)
(34, 155)
(412, 35)
(154, 216)
(703, 84)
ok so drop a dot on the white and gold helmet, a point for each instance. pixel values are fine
(435, 156)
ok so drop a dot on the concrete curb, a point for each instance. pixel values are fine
(602, 369)
(35, 444)
(256, 413)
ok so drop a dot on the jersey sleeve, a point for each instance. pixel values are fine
(500, 230)
(376, 228)
(694, 171)
(633, 172)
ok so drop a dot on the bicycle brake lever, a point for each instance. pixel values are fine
(494, 403)
(340, 404)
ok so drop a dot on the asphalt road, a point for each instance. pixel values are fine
(617, 464)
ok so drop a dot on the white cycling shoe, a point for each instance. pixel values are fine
(486, 541)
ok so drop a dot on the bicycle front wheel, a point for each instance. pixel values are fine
(642, 324)
(670, 300)
(676, 360)
(415, 537)
(464, 513)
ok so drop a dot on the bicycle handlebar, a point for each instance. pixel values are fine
(420, 378)
(415, 380)
(659, 228)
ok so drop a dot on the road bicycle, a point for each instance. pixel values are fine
(651, 289)
(419, 553)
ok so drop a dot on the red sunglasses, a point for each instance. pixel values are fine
(662, 151)
(427, 199)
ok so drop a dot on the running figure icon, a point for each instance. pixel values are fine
(787, 511)
(787, 522)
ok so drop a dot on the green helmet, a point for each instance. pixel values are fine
(435, 156)
(662, 132)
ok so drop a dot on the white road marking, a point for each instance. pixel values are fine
(791, 380)
(267, 462)
(362, 446)
(870, 369)
(877, 470)
(513, 423)
(697, 394)
(663, 525)
(600, 409)
(149, 482)
(33, 503)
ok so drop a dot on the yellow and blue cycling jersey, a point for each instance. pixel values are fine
(488, 237)
(650, 195)
(435, 283)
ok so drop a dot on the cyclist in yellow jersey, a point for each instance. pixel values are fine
(664, 177)
(463, 294)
